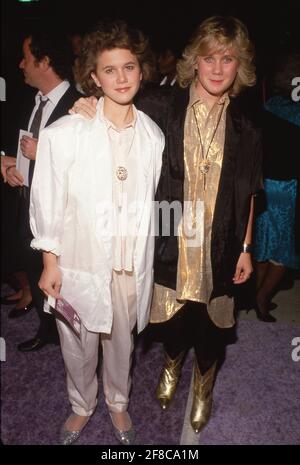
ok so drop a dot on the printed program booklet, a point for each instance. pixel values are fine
(65, 309)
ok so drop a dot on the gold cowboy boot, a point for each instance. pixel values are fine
(168, 380)
(202, 401)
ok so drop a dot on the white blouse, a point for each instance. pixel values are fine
(125, 155)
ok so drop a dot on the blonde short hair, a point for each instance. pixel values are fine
(107, 37)
(217, 34)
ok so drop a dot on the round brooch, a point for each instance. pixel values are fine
(122, 173)
(204, 167)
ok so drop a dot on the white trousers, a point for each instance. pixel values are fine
(81, 354)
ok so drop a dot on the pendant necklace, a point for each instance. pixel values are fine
(204, 162)
(122, 172)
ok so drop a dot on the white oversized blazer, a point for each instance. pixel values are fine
(71, 212)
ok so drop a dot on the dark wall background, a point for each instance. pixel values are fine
(273, 27)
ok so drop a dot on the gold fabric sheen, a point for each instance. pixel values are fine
(204, 137)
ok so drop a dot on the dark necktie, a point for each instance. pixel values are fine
(35, 129)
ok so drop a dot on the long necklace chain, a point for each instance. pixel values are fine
(203, 162)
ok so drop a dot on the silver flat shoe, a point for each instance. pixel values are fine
(124, 437)
(68, 437)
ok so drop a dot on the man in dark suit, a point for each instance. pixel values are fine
(47, 65)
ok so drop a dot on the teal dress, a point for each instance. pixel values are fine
(275, 229)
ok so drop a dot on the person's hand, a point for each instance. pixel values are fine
(243, 269)
(14, 177)
(85, 106)
(6, 163)
(50, 281)
(28, 146)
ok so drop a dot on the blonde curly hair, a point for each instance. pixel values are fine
(108, 36)
(216, 34)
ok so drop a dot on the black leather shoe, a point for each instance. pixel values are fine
(32, 345)
(16, 312)
(266, 317)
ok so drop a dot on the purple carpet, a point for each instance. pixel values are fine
(257, 398)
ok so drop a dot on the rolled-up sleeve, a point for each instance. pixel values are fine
(49, 190)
